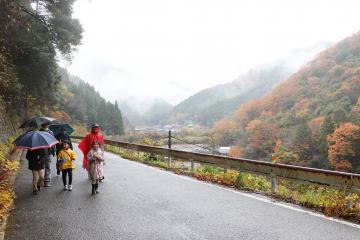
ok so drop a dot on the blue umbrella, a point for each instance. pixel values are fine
(35, 140)
(56, 128)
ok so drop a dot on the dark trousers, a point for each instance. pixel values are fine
(67, 172)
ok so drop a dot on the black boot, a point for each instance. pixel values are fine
(93, 189)
(96, 188)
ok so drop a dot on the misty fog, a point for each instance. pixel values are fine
(169, 51)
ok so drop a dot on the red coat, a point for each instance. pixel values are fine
(86, 144)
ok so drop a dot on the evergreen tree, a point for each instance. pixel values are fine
(30, 37)
(303, 143)
(86, 105)
(326, 129)
(119, 125)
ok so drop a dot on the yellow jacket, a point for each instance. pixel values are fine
(66, 159)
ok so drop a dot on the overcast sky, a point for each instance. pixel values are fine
(172, 48)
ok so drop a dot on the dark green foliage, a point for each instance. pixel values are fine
(303, 143)
(30, 37)
(321, 145)
(9, 85)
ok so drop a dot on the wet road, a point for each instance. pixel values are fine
(141, 202)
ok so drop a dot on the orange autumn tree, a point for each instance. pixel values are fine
(344, 147)
(247, 112)
(262, 138)
(225, 132)
(236, 151)
(61, 116)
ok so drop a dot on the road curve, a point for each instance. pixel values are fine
(141, 202)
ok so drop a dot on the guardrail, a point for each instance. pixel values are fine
(335, 179)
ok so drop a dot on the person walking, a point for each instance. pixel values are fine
(65, 160)
(86, 143)
(95, 166)
(36, 165)
(61, 137)
(45, 155)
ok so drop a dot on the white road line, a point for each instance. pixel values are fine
(262, 199)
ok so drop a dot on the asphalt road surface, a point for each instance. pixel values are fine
(141, 202)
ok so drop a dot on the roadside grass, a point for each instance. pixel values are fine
(8, 167)
(331, 202)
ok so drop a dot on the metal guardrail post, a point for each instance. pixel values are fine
(192, 165)
(169, 145)
(225, 168)
(273, 182)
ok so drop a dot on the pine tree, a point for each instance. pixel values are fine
(326, 129)
(303, 144)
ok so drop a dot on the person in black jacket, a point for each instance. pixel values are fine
(37, 166)
(61, 137)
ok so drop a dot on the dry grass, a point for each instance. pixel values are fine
(7, 168)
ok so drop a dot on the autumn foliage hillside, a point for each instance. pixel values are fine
(311, 119)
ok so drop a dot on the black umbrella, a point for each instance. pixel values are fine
(37, 122)
(35, 140)
(56, 128)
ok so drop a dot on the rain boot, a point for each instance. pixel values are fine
(96, 188)
(93, 189)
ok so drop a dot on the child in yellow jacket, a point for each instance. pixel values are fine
(65, 161)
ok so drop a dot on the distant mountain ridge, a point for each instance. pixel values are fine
(211, 104)
(152, 112)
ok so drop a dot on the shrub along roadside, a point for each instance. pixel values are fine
(330, 201)
(8, 167)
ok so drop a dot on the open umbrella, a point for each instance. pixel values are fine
(37, 122)
(35, 140)
(56, 128)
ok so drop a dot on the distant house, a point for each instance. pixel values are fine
(224, 150)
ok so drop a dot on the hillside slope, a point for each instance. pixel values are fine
(306, 117)
(211, 104)
(79, 102)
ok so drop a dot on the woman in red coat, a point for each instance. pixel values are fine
(86, 143)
